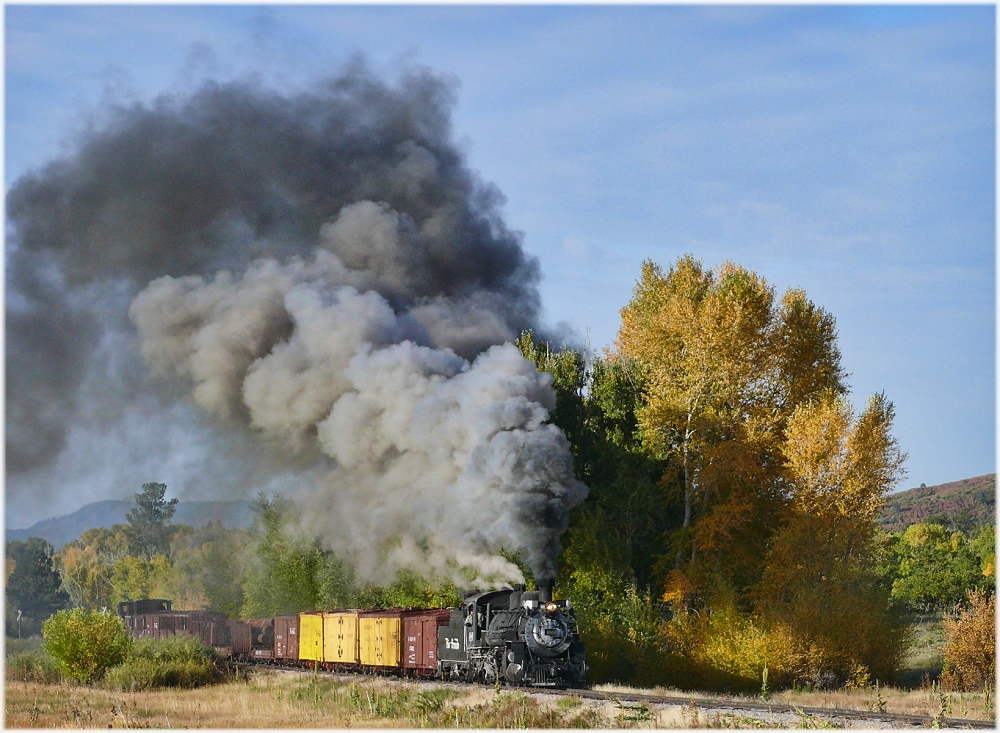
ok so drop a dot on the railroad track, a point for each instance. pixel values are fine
(736, 703)
(731, 704)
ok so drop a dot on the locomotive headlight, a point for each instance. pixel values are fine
(550, 607)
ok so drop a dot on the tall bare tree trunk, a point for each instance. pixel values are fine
(688, 491)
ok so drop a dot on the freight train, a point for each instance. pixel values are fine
(512, 636)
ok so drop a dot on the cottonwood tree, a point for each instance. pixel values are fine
(724, 366)
(819, 577)
(87, 566)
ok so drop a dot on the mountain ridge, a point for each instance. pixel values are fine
(965, 504)
(63, 529)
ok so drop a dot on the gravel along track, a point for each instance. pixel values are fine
(692, 712)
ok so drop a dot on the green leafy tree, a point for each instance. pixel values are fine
(984, 545)
(596, 408)
(34, 586)
(86, 643)
(209, 567)
(936, 567)
(285, 576)
(148, 531)
(408, 590)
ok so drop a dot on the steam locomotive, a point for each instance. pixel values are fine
(511, 636)
(514, 636)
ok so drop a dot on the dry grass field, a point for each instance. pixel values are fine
(290, 700)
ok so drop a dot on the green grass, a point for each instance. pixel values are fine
(33, 665)
(924, 656)
(158, 663)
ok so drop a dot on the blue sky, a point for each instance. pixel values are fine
(846, 150)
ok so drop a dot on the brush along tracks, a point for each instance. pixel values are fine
(735, 706)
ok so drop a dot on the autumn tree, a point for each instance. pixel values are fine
(209, 565)
(723, 367)
(87, 566)
(970, 652)
(819, 577)
(148, 531)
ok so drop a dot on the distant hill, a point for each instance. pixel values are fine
(64, 529)
(964, 505)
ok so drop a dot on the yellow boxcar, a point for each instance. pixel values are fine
(311, 636)
(380, 640)
(340, 637)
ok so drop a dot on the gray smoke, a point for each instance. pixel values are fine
(318, 272)
(233, 172)
(419, 443)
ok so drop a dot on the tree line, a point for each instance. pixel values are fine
(731, 526)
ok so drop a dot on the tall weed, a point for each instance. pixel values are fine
(33, 666)
(156, 663)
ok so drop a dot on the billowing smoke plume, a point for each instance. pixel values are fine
(420, 443)
(318, 272)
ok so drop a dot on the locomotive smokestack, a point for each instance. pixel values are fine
(545, 591)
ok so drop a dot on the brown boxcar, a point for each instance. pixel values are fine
(241, 639)
(286, 637)
(210, 627)
(420, 640)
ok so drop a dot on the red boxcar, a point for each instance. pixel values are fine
(420, 640)
(286, 637)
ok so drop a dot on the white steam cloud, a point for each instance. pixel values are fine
(426, 459)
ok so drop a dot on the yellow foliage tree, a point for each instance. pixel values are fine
(724, 365)
(818, 577)
(86, 566)
(135, 577)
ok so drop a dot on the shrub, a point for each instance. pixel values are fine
(33, 666)
(729, 650)
(970, 644)
(177, 662)
(86, 643)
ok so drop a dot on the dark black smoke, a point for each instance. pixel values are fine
(227, 174)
